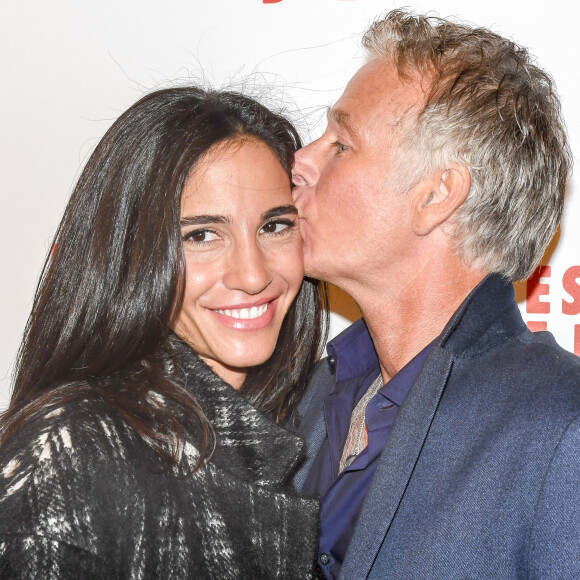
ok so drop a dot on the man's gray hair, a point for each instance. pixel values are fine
(492, 109)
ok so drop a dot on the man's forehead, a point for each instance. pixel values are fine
(340, 117)
(376, 94)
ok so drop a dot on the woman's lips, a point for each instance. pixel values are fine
(247, 317)
(245, 313)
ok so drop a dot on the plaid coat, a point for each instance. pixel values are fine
(82, 496)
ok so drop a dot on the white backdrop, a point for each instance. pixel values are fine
(69, 68)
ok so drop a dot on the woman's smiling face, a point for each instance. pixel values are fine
(243, 257)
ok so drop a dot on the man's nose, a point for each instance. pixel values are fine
(247, 268)
(305, 170)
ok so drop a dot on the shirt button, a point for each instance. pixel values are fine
(331, 364)
(324, 559)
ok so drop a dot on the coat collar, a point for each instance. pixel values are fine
(248, 444)
(486, 319)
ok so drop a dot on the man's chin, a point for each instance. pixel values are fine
(310, 268)
(322, 274)
(320, 267)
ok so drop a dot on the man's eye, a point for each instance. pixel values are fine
(340, 147)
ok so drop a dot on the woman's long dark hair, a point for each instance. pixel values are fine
(103, 308)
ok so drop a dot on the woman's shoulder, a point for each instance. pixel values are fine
(66, 429)
(64, 447)
(65, 478)
(70, 474)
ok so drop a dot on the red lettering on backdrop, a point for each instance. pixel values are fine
(537, 325)
(535, 289)
(569, 281)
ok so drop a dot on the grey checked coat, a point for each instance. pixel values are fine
(82, 496)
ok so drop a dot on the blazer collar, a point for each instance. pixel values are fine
(486, 319)
(248, 444)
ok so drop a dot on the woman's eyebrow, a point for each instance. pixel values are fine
(278, 211)
(197, 220)
(204, 219)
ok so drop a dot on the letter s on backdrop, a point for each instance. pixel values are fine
(571, 286)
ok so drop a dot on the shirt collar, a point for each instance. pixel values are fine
(355, 355)
(398, 387)
(353, 352)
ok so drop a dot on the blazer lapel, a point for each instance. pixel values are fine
(396, 464)
(313, 424)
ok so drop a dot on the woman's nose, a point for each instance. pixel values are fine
(247, 269)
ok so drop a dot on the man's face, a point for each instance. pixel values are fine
(355, 219)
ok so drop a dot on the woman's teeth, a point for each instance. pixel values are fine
(245, 313)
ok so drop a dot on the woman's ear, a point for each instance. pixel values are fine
(436, 198)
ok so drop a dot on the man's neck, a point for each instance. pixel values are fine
(404, 319)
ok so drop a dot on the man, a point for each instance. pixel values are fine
(443, 436)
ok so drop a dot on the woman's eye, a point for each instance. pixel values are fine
(277, 227)
(201, 236)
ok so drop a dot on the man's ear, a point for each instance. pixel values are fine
(436, 198)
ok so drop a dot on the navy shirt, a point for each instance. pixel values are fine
(356, 366)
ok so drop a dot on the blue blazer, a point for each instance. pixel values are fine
(480, 475)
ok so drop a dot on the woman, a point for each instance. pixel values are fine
(170, 336)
